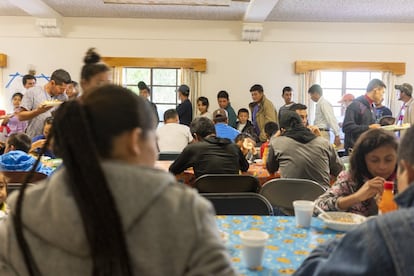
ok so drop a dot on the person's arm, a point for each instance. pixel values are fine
(368, 190)
(362, 251)
(182, 162)
(209, 256)
(25, 115)
(232, 117)
(243, 163)
(272, 161)
(335, 163)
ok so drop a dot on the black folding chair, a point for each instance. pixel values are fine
(226, 183)
(240, 204)
(168, 155)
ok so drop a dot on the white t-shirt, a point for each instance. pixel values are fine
(173, 137)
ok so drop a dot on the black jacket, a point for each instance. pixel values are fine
(358, 117)
(212, 155)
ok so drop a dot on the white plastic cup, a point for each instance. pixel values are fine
(253, 246)
(303, 212)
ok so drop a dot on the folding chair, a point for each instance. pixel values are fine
(226, 183)
(240, 204)
(281, 192)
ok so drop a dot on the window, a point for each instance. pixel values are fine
(163, 83)
(337, 83)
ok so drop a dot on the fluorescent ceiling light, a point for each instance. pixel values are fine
(172, 2)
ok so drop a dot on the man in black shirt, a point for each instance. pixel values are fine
(209, 154)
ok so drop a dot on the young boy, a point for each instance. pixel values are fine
(244, 125)
(270, 129)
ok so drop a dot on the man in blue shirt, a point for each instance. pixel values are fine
(223, 130)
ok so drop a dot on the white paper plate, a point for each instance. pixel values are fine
(52, 103)
(343, 221)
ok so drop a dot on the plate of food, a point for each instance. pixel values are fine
(342, 221)
(52, 103)
(396, 127)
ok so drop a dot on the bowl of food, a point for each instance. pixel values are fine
(342, 221)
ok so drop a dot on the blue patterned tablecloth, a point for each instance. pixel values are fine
(287, 247)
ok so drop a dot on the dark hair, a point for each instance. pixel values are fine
(17, 94)
(297, 106)
(170, 114)
(406, 150)
(286, 89)
(204, 101)
(242, 110)
(242, 136)
(271, 128)
(143, 86)
(48, 121)
(367, 142)
(93, 197)
(75, 83)
(223, 94)
(290, 120)
(202, 126)
(92, 66)
(28, 77)
(60, 76)
(375, 83)
(316, 88)
(256, 87)
(20, 141)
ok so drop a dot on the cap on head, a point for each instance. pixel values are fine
(184, 89)
(406, 88)
(347, 97)
(220, 115)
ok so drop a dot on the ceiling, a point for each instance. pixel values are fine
(390, 11)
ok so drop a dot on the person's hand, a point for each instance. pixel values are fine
(315, 130)
(371, 188)
(42, 108)
(337, 141)
(374, 126)
(36, 145)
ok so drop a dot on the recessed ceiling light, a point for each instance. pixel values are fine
(172, 2)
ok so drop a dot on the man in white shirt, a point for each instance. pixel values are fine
(406, 114)
(173, 136)
(324, 116)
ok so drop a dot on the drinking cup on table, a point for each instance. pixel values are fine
(253, 246)
(303, 212)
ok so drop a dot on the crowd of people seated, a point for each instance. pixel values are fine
(114, 131)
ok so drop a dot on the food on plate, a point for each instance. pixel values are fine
(52, 102)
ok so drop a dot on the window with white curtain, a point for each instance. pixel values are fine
(163, 83)
(335, 84)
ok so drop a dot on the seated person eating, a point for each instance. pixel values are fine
(373, 161)
(209, 154)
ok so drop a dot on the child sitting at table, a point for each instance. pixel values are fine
(247, 146)
(244, 125)
(16, 157)
(270, 129)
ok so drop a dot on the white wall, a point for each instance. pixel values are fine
(232, 64)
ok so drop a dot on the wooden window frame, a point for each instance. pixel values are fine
(197, 64)
(397, 68)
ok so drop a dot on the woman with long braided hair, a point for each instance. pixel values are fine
(107, 210)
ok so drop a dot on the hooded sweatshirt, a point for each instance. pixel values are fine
(213, 155)
(17, 160)
(169, 229)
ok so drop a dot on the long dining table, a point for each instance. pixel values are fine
(187, 177)
(286, 248)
